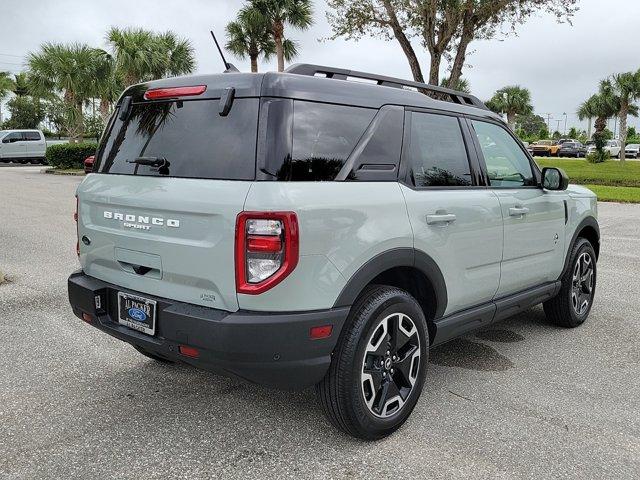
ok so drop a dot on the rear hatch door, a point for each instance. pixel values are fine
(159, 214)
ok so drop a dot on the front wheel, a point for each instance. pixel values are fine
(571, 307)
(378, 369)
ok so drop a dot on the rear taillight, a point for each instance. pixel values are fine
(266, 249)
(75, 217)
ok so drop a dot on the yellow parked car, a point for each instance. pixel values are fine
(544, 148)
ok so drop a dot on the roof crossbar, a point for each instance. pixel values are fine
(454, 96)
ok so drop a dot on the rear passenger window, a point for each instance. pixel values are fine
(323, 137)
(32, 136)
(436, 154)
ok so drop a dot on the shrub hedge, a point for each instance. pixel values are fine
(69, 155)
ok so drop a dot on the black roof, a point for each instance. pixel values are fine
(303, 86)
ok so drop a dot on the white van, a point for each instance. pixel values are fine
(22, 146)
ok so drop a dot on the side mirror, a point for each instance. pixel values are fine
(554, 179)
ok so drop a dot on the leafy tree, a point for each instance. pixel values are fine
(607, 134)
(94, 126)
(68, 70)
(556, 135)
(531, 124)
(26, 112)
(141, 55)
(21, 84)
(278, 13)
(623, 89)
(574, 133)
(512, 100)
(631, 132)
(444, 27)
(55, 114)
(462, 85)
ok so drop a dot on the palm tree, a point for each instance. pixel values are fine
(141, 55)
(297, 13)
(512, 100)
(176, 55)
(588, 110)
(600, 106)
(6, 84)
(249, 36)
(69, 70)
(623, 89)
(108, 83)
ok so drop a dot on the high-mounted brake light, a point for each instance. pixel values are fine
(174, 92)
(267, 248)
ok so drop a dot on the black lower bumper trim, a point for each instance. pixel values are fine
(272, 349)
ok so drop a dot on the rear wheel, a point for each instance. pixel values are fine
(378, 369)
(571, 307)
(152, 356)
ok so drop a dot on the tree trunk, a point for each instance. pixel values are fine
(511, 121)
(624, 111)
(434, 68)
(404, 42)
(79, 122)
(278, 33)
(254, 63)
(105, 110)
(468, 31)
(589, 128)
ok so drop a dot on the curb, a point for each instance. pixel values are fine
(53, 171)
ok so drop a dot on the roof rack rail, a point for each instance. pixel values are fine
(343, 74)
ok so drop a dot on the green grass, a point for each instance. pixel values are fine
(616, 194)
(611, 172)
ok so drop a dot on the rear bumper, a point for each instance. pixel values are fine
(272, 349)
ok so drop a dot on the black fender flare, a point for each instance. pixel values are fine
(586, 222)
(397, 257)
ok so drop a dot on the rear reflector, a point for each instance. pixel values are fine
(188, 351)
(87, 318)
(316, 333)
(256, 243)
(173, 92)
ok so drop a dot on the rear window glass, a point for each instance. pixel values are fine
(185, 139)
(323, 138)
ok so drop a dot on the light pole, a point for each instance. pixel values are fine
(565, 123)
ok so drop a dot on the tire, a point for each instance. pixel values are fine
(363, 370)
(568, 308)
(152, 356)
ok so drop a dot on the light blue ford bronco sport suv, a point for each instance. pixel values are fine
(301, 228)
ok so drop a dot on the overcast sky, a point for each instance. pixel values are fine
(560, 64)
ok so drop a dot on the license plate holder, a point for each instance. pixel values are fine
(137, 313)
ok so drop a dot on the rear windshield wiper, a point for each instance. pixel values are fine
(150, 161)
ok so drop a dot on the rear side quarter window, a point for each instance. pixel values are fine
(323, 138)
(436, 154)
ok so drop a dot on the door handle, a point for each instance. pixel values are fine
(518, 211)
(437, 218)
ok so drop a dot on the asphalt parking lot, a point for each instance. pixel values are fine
(521, 400)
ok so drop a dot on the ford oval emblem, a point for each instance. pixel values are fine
(137, 314)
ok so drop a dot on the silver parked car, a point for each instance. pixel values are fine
(22, 146)
(632, 150)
